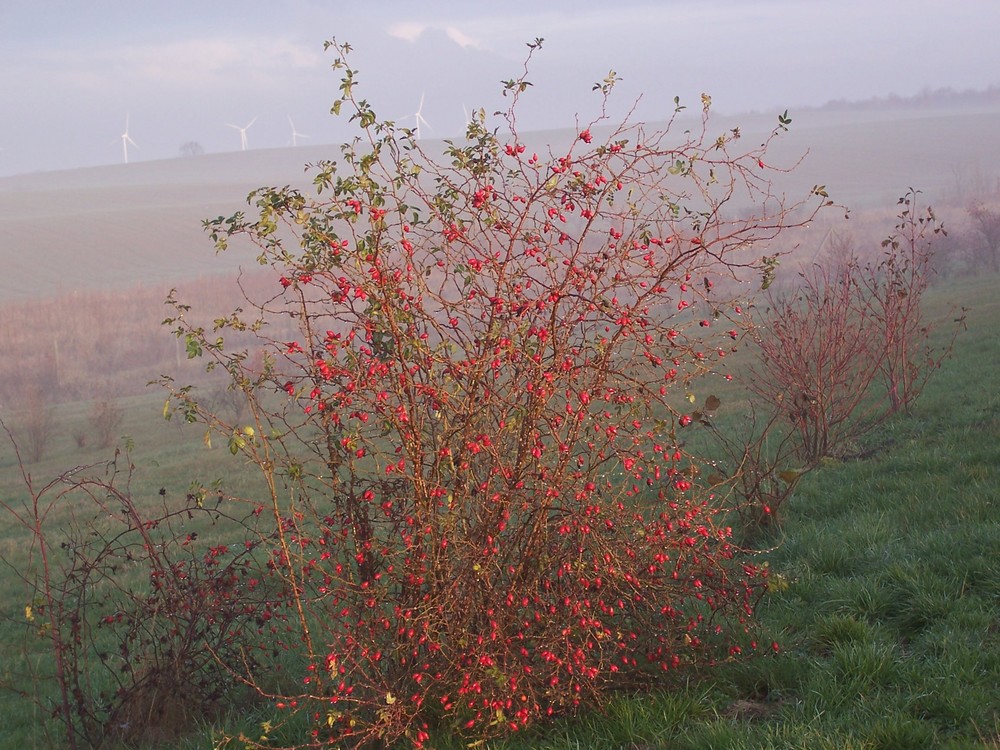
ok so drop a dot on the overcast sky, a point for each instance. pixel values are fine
(71, 71)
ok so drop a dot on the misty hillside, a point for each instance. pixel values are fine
(141, 222)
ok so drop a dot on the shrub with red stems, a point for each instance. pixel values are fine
(482, 510)
(849, 344)
(484, 514)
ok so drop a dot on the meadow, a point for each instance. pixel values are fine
(884, 602)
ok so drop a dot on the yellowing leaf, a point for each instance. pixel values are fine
(789, 476)
(390, 698)
(28, 615)
(777, 583)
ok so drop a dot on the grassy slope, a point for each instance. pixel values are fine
(889, 625)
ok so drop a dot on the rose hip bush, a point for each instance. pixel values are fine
(481, 509)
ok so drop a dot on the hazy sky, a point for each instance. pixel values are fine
(72, 70)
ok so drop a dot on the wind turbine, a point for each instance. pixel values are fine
(295, 133)
(243, 132)
(419, 118)
(127, 139)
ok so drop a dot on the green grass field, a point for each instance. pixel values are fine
(885, 602)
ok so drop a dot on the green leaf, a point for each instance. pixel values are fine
(192, 346)
(236, 443)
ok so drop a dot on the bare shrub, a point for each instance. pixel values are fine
(33, 420)
(106, 417)
(984, 245)
(826, 343)
(894, 289)
(757, 466)
(819, 353)
(141, 617)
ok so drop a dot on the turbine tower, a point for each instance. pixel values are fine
(295, 134)
(243, 132)
(126, 139)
